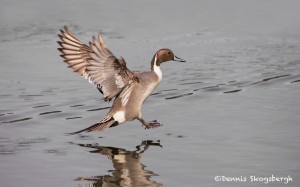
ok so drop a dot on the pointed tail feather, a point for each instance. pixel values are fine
(102, 126)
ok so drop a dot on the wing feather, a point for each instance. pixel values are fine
(98, 64)
(72, 62)
(70, 52)
(74, 52)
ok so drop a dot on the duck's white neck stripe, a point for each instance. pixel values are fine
(157, 69)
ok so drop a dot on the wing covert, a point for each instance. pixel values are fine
(110, 74)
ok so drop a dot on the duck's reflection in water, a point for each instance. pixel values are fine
(128, 169)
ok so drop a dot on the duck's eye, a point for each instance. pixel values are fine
(169, 52)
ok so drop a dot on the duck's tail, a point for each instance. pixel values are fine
(101, 126)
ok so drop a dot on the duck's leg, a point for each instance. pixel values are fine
(150, 124)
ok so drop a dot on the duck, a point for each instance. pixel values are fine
(110, 75)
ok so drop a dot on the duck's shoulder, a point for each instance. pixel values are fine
(147, 76)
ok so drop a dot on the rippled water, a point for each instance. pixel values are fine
(233, 109)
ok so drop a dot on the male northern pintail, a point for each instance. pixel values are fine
(113, 79)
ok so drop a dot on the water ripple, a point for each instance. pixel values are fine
(179, 96)
(73, 118)
(77, 105)
(40, 106)
(10, 146)
(17, 120)
(271, 78)
(96, 109)
(51, 112)
(233, 91)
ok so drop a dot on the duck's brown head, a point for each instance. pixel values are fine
(164, 55)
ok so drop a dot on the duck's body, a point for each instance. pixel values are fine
(113, 79)
(137, 93)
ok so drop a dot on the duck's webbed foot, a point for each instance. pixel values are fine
(150, 124)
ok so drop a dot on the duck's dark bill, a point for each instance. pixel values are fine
(178, 59)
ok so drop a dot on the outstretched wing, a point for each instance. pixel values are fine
(97, 63)
(109, 73)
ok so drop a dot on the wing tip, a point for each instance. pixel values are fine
(60, 49)
(101, 41)
(66, 28)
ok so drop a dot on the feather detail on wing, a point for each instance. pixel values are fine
(75, 53)
(96, 63)
(105, 70)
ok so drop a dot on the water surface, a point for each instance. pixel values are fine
(232, 109)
